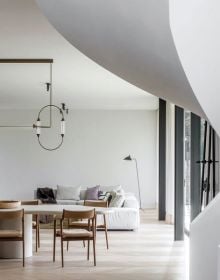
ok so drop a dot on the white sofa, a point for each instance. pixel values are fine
(126, 217)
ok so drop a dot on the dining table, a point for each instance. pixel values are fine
(13, 250)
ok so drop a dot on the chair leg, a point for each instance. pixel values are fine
(23, 253)
(54, 241)
(67, 246)
(62, 252)
(94, 252)
(106, 232)
(54, 248)
(38, 231)
(36, 241)
(84, 244)
(88, 250)
(95, 227)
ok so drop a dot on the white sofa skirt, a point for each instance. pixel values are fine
(123, 219)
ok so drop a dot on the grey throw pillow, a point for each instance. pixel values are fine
(92, 193)
(68, 193)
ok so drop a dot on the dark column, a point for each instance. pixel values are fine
(162, 160)
(195, 181)
(179, 178)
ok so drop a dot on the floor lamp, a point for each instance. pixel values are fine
(139, 191)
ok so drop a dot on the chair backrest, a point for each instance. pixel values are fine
(87, 214)
(96, 203)
(12, 214)
(30, 202)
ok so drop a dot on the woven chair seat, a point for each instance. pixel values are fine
(83, 224)
(75, 233)
(10, 233)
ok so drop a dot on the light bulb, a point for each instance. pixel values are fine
(38, 130)
(62, 127)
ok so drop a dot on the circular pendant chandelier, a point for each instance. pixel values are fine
(38, 126)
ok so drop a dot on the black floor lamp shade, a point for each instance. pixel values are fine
(128, 158)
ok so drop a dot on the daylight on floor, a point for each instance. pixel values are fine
(109, 146)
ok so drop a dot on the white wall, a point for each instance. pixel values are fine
(195, 26)
(204, 242)
(95, 144)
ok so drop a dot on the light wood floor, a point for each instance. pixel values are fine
(149, 254)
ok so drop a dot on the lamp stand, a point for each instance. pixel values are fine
(139, 190)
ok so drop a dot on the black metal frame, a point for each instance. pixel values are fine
(162, 160)
(195, 172)
(179, 174)
(38, 135)
(208, 161)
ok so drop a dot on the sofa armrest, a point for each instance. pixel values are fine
(131, 202)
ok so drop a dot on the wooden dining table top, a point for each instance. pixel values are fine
(53, 209)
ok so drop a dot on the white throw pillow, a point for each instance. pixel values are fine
(82, 194)
(117, 201)
(117, 188)
(68, 193)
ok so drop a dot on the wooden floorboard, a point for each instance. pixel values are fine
(148, 254)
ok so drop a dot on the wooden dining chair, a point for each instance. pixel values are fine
(81, 234)
(99, 225)
(35, 222)
(13, 235)
(103, 224)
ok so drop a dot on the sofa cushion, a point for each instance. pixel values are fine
(117, 201)
(105, 196)
(68, 193)
(112, 189)
(131, 202)
(117, 188)
(83, 194)
(80, 202)
(92, 193)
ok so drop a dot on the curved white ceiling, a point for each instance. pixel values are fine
(195, 25)
(81, 83)
(130, 38)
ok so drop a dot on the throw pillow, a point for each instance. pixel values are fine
(118, 189)
(105, 196)
(92, 193)
(68, 193)
(118, 201)
(82, 194)
(113, 194)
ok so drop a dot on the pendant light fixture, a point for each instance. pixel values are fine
(61, 110)
(38, 127)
